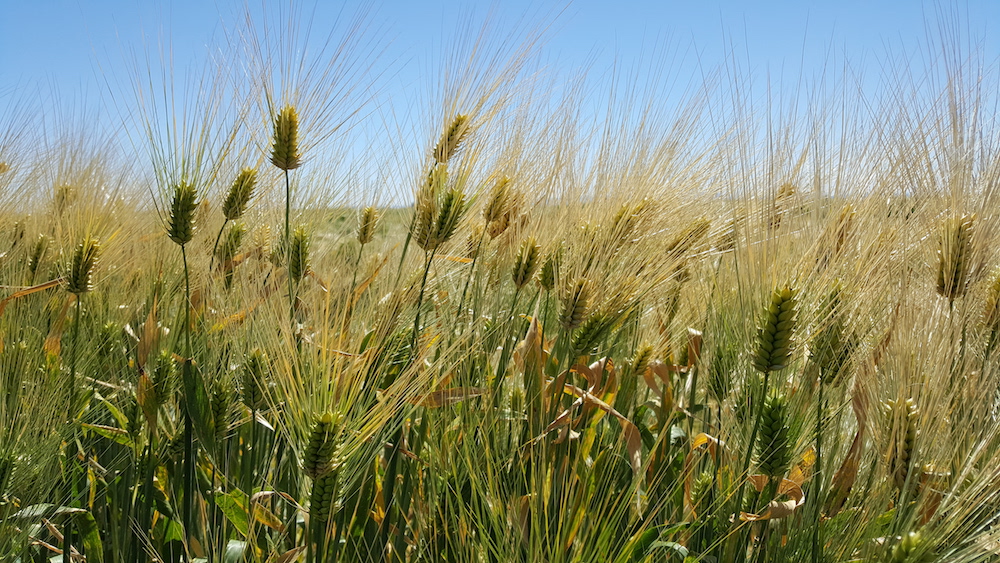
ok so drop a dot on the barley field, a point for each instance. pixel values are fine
(734, 331)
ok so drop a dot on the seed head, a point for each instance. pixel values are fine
(775, 337)
(37, 254)
(79, 279)
(254, 374)
(367, 224)
(548, 275)
(317, 460)
(164, 376)
(222, 404)
(912, 548)
(773, 444)
(499, 200)
(452, 139)
(298, 258)
(641, 360)
(830, 347)
(955, 256)
(231, 244)
(902, 421)
(591, 332)
(321, 498)
(575, 301)
(239, 194)
(180, 227)
(526, 262)
(285, 151)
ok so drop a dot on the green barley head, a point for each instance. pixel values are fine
(776, 334)
(239, 194)
(285, 144)
(180, 226)
(79, 278)
(526, 262)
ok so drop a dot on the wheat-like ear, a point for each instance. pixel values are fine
(180, 226)
(285, 144)
(317, 460)
(904, 438)
(164, 376)
(955, 256)
(231, 244)
(775, 337)
(526, 262)
(773, 444)
(548, 275)
(239, 194)
(912, 548)
(222, 404)
(298, 257)
(451, 139)
(253, 376)
(367, 224)
(422, 229)
(991, 313)
(498, 201)
(830, 347)
(37, 254)
(575, 302)
(79, 279)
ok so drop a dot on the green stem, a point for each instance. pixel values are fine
(818, 478)
(428, 258)
(72, 361)
(215, 247)
(505, 345)
(357, 265)
(288, 248)
(189, 450)
(472, 269)
(746, 464)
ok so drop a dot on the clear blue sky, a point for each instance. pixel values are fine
(65, 45)
(65, 52)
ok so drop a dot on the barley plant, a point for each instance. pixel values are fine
(712, 335)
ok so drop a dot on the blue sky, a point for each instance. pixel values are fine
(71, 53)
(68, 46)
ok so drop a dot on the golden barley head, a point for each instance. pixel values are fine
(451, 139)
(498, 202)
(955, 256)
(902, 421)
(367, 224)
(285, 149)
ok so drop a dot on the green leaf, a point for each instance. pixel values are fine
(233, 506)
(90, 536)
(672, 549)
(45, 509)
(111, 433)
(198, 405)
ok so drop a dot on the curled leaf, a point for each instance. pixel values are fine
(776, 509)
